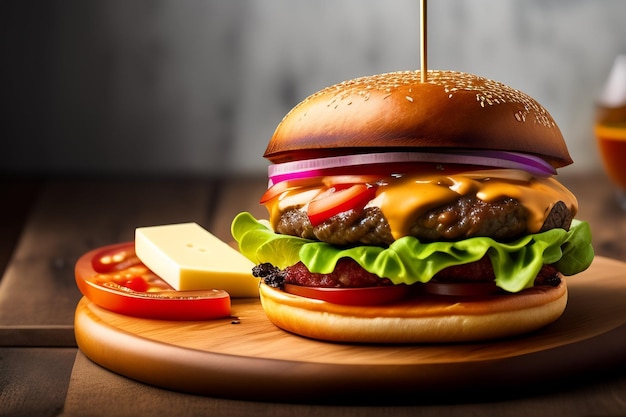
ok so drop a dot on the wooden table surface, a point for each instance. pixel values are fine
(47, 223)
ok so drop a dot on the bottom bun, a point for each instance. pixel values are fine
(423, 319)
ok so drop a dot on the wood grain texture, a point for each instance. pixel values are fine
(38, 294)
(598, 206)
(254, 359)
(237, 194)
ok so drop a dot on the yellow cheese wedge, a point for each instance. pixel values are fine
(188, 257)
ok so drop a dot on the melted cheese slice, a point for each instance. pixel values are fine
(408, 198)
(404, 198)
(188, 257)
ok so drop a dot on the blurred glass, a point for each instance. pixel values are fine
(610, 128)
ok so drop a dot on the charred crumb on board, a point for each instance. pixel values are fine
(235, 320)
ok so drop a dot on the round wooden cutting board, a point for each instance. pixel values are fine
(249, 358)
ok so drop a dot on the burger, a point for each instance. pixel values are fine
(404, 210)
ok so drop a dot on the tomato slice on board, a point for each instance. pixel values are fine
(362, 296)
(114, 257)
(338, 200)
(113, 278)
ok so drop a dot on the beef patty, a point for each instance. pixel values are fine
(466, 217)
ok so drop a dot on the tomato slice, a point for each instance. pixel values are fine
(114, 258)
(279, 188)
(468, 289)
(334, 180)
(113, 278)
(325, 181)
(362, 296)
(338, 200)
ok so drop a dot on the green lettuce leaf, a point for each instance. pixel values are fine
(407, 260)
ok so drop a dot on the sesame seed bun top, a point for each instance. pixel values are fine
(396, 111)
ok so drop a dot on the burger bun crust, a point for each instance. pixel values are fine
(426, 319)
(396, 111)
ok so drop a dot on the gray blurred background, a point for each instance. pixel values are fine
(196, 87)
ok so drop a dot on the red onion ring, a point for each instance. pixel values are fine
(498, 159)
